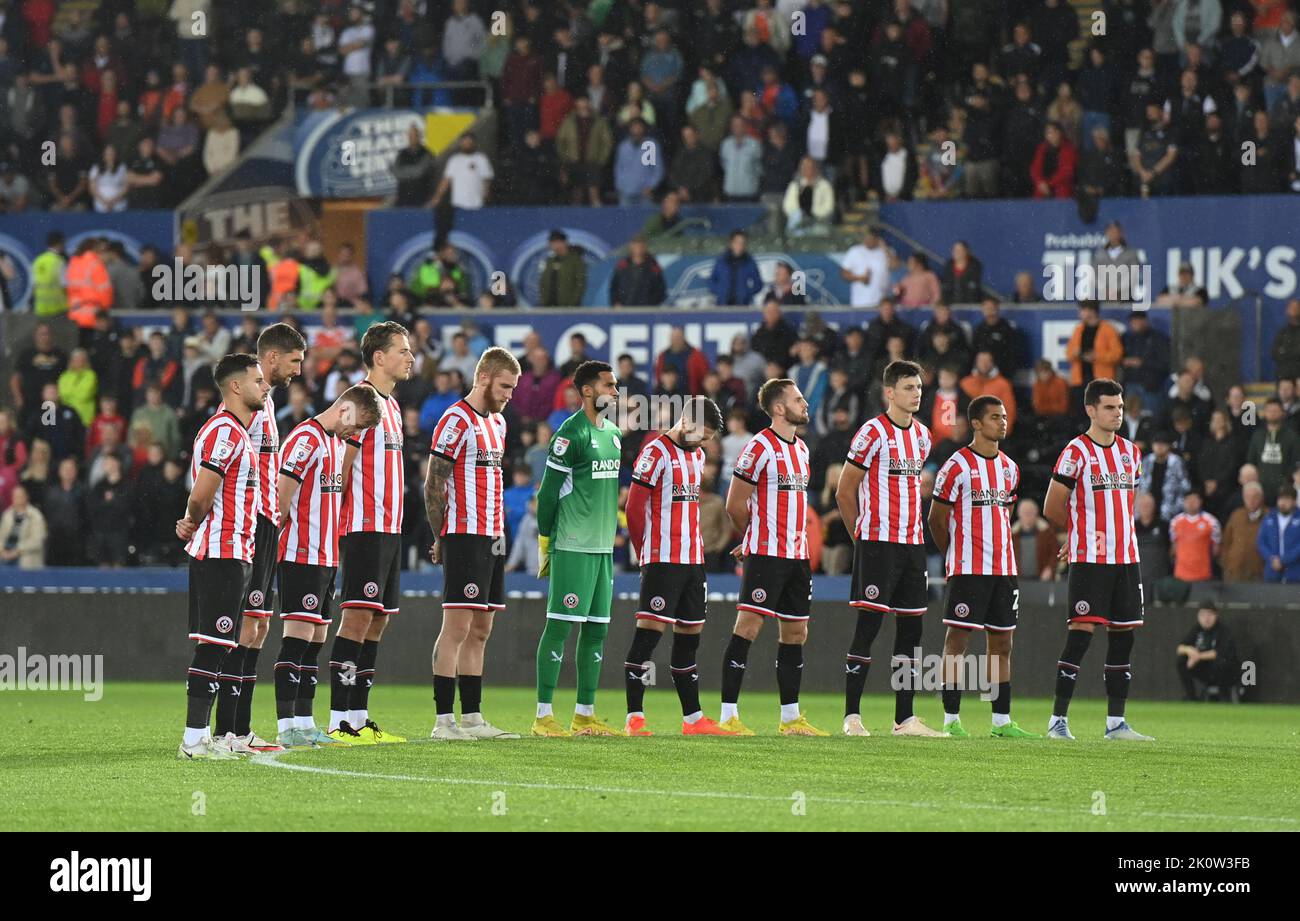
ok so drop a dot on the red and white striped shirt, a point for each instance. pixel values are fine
(672, 513)
(889, 497)
(475, 445)
(313, 457)
(265, 438)
(778, 508)
(226, 533)
(1102, 481)
(375, 492)
(981, 491)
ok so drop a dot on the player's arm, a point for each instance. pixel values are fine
(435, 496)
(846, 494)
(200, 502)
(940, 512)
(638, 495)
(286, 492)
(548, 508)
(1056, 509)
(738, 494)
(349, 456)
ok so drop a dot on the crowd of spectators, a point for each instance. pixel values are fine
(94, 450)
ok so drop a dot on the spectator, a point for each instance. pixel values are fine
(1153, 542)
(920, 286)
(109, 508)
(79, 386)
(64, 508)
(943, 169)
(1034, 543)
(943, 341)
(1194, 539)
(742, 161)
(866, 268)
(1164, 476)
(888, 325)
(1286, 344)
(941, 405)
(1094, 350)
(638, 166)
(1051, 393)
(1054, 164)
(963, 276)
(810, 375)
(585, 145)
(1145, 361)
(108, 182)
(1217, 461)
(445, 395)
(1279, 539)
(158, 367)
(1279, 55)
(564, 276)
(784, 288)
(23, 533)
(1207, 657)
(715, 527)
(467, 175)
(578, 354)
(57, 424)
(894, 174)
(692, 173)
(161, 420)
(809, 204)
(1103, 172)
(15, 189)
(735, 279)
(414, 169)
(750, 365)
(1240, 555)
(986, 380)
(775, 338)
(1186, 292)
(689, 362)
(1189, 394)
(535, 394)
(1274, 450)
(637, 280)
(1022, 129)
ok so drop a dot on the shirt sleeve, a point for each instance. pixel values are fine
(648, 467)
(565, 451)
(220, 449)
(299, 454)
(1068, 467)
(947, 485)
(449, 437)
(751, 462)
(865, 447)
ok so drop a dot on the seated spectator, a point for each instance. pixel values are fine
(1207, 659)
(809, 204)
(986, 379)
(1240, 557)
(23, 533)
(1194, 539)
(1053, 168)
(1034, 543)
(1279, 539)
(920, 286)
(1051, 394)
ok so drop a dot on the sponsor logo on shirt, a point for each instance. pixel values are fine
(561, 445)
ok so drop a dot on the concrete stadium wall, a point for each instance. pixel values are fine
(142, 638)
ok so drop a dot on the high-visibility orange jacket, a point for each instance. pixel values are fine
(89, 290)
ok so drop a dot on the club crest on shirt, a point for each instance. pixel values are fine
(561, 445)
(1126, 460)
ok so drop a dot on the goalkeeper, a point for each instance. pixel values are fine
(577, 516)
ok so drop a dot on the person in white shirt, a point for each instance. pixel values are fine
(467, 176)
(355, 44)
(108, 182)
(866, 268)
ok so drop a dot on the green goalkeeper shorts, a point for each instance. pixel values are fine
(582, 586)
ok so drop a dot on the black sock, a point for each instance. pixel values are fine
(789, 671)
(471, 694)
(201, 684)
(858, 662)
(444, 695)
(244, 710)
(951, 695)
(307, 669)
(906, 677)
(1002, 703)
(360, 696)
(686, 676)
(230, 682)
(643, 646)
(288, 676)
(343, 672)
(1119, 670)
(733, 668)
(1067, 669)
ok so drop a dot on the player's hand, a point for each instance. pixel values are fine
(738, 553)
(1192, 658)
(435, 551)
(1063, 553)
(543, 556)
(185, 527)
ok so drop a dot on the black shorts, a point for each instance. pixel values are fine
(776, 587)
(979, 602)
(307, 592)
(889, 577)
(260, 599)
(372, 569)
(217, 589)
(673, 593)
(1106, 593)
(473, 575)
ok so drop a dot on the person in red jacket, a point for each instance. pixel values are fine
(1054, 162)
(688, 361)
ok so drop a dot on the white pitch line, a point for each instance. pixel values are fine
(273, 760)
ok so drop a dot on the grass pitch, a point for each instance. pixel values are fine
(67, 764)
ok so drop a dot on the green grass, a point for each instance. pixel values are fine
(67, 764)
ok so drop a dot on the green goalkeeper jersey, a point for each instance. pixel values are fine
(588, 457)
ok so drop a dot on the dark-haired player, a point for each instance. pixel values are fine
(310, 491)
(577, 518)
(370, 545)
(463, 499)
(768, 503)
(280, 351)
(971, 526)
(219, 528)
(663, 521)
(880, 492)
(1091, 496)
